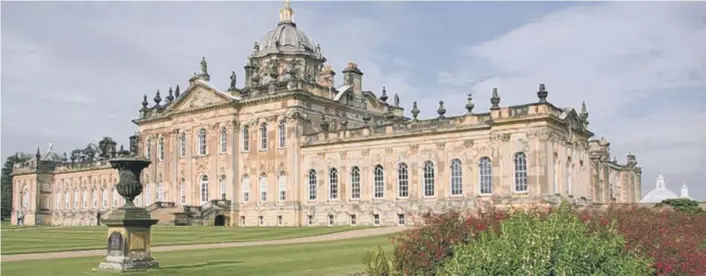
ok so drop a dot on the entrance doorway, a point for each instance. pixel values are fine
(220, 220)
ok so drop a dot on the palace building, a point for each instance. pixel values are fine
(289, 147)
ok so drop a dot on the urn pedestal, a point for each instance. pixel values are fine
(129, 227)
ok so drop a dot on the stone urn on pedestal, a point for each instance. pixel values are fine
(129, 226)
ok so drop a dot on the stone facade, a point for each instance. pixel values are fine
(291, 148)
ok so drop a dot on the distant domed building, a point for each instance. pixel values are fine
(288, 147)
(660, 192)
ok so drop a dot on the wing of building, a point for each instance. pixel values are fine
(291, 147)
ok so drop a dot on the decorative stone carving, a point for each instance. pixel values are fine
(414, 148)
(468, 143)
(440, 146)
(365, 152)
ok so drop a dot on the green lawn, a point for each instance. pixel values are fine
(48, 239)
(321, 259)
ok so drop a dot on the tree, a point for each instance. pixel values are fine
(6, 185)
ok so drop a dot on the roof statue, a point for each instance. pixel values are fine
(660, 192)
(204, 66)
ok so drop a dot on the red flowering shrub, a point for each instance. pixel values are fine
(420, 251)
(676, 241)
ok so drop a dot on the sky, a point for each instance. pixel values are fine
(73, 72)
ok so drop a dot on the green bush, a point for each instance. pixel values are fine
(380, 263)
(558, 243)
(683, 205)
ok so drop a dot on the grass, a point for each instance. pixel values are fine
(321, 259)
(51, 239)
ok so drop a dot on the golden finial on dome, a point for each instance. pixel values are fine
(286, 13)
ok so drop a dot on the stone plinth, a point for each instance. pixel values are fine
(129, 227)
(129, 240)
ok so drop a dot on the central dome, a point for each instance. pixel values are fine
(286, 38)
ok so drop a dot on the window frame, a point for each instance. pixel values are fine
(456, 178)
(521, 176)
(485, 175)
(402, 180)
(428, 179)
(378, 182)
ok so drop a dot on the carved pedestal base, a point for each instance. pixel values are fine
(125, 264)
(129, 240)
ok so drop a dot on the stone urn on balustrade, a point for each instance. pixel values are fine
(129, 226)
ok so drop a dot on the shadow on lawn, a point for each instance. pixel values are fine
(198, 265)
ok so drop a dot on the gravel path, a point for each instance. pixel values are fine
(321, 238)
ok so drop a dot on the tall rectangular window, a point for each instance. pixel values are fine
(281, 130)
(224, 140)
(245, 138)
(402, 180)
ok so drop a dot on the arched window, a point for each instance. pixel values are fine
(202, 141)
(312, 184)
(104, 197)
(76, 197)
(84, 198)
(520, 172)
(379, 182)
(222, 187)
(245, 138)
(429, 178)
(116, 197)
(402, 180)
(25, 197)
(182, 144)
(282, 186)
(160, 192)
(332, 183)
(67, 200)
(148, 194)
(57, 199)
(263, 136)
(148, 148)
(204, 189)
(160, 148)
(355, 183)
(281, 130)
(182, 191)
(246, 188)
(94, 197)
(485, 176)
(456, 177)
(224, 140)
(263, 188)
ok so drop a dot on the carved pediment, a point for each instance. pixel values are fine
(198, 96)
(573, 121)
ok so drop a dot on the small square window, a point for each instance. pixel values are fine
(330, 220)
(242, 220)
(400, 219)
(309, 219)
(279, 220)
(353, 220)
(261, 220)
(376, 219)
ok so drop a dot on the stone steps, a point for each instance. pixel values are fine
(165, 215)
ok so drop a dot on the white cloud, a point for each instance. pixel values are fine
(609, 55)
